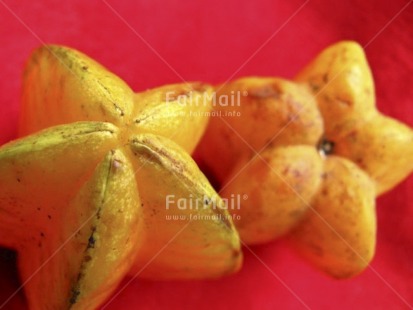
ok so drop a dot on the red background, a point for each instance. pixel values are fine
(212, 41)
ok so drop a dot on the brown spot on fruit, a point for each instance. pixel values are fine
(265, 92)
(326, 147)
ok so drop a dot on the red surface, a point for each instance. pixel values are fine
(209, 41)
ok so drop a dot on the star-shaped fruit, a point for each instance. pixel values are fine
(324, 154)
(62, 85)
(86, 202)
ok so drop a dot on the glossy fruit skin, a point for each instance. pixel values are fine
(84, 203)
(73, 87)
(55, 201)
(302, 151)
(338, 233)
(379, 145)
(266, 106)
(203, 242)
(62, 85)
(82, 218)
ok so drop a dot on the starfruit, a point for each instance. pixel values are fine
(311, 155)
(86, 202)
(62, 85)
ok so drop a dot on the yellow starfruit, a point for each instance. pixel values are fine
(311, 155)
